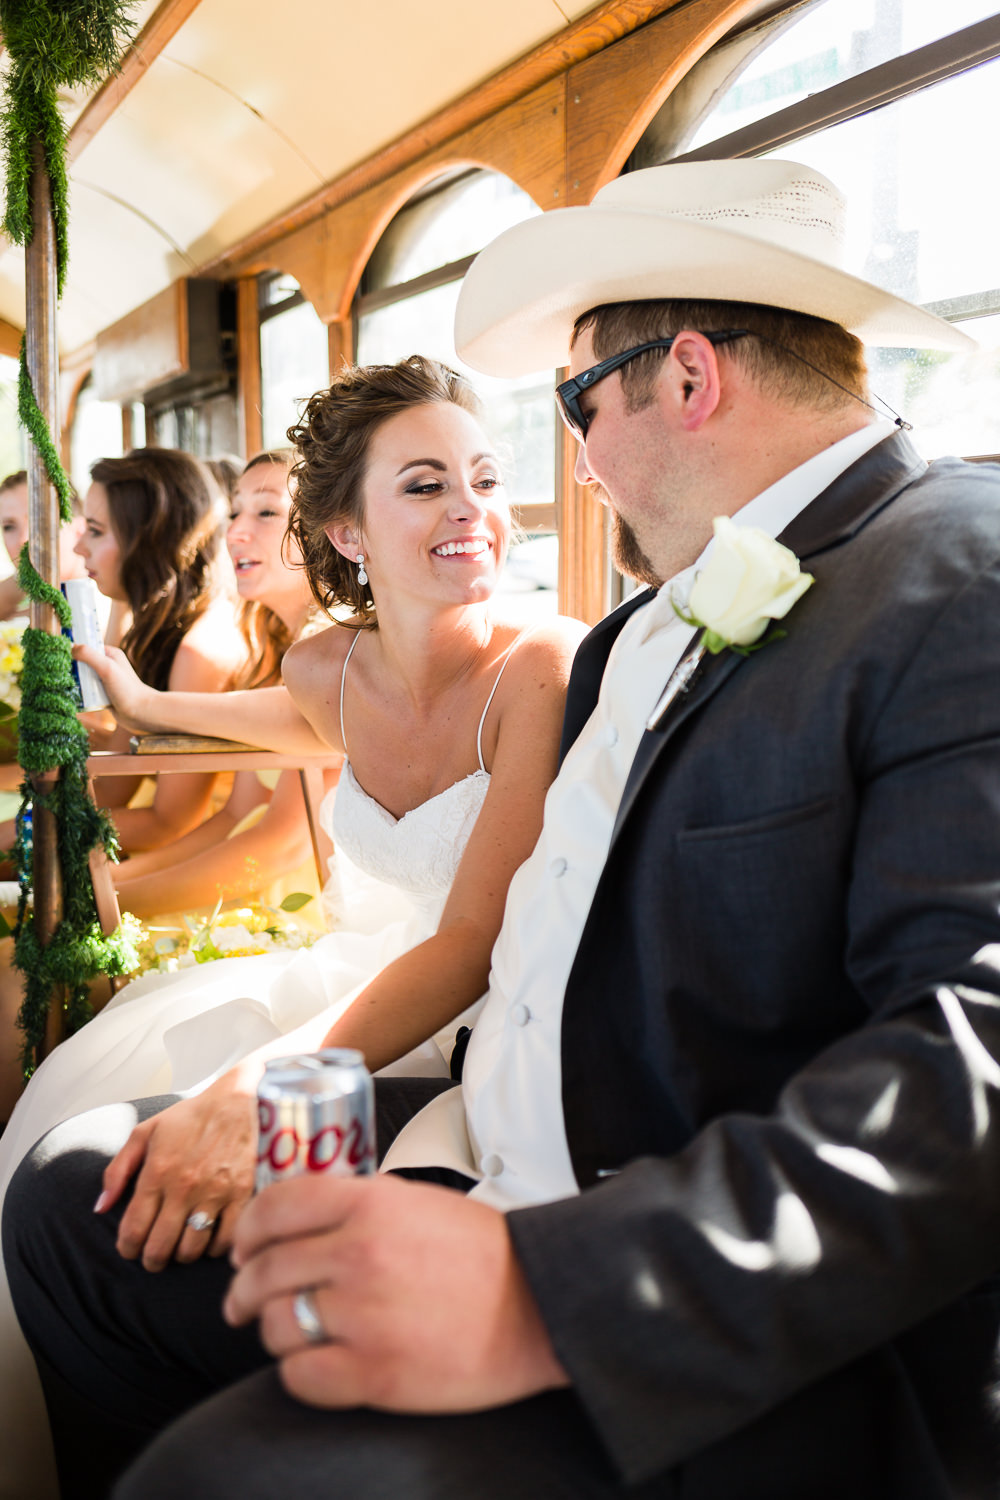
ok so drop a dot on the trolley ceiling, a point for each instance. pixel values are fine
(229, 112)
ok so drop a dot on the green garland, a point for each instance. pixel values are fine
(52, 44)
(55, 44)
(38, 430)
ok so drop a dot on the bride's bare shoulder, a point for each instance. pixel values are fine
(316, 656)
(544, 647)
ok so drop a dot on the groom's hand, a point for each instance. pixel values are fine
(416, 1288)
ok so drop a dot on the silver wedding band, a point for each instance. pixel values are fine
(200, 1221)
(306, 1316)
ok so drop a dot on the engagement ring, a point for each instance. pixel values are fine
(200, 1220)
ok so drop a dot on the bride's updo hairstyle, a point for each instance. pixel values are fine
(167, 518)
(333, 438)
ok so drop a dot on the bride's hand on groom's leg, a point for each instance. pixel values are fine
(193, 1160)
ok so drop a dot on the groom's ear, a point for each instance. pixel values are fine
(690, 385)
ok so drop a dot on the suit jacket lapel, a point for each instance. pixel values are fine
(834, 517)
(854, 497)
(712, 672)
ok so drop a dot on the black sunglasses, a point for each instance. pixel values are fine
(568, 394)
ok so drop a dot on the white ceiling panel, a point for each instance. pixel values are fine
(342, 79)
(184, 153)
(116, 262)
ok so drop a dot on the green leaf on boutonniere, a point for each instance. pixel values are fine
(721, 645)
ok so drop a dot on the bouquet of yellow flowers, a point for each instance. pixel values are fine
(11, 662)
(239, 933)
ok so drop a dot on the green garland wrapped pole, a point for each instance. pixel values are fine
(59, 945)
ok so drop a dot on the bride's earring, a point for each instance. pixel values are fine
(362, 575)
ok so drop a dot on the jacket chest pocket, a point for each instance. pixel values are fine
(764, 901)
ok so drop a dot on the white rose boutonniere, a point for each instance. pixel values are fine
(749, 580)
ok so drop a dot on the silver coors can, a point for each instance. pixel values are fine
(315, 1113)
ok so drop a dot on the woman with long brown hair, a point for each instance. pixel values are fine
(153, 542)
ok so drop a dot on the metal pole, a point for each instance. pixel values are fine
(43, 525)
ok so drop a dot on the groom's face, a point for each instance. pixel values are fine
(622, 460)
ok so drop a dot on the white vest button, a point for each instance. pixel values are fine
(520, 1015)
(492, 1165)
(611, 735)
(558, 867)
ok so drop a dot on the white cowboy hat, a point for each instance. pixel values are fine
(743, 231)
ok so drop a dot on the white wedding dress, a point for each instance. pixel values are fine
(175, 1033)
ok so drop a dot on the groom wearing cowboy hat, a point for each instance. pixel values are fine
(735, 1086)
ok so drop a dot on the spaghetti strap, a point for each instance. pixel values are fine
(343, 679)
(506, 658)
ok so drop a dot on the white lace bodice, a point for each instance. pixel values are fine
(419, 852)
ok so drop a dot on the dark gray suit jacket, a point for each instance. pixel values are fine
(783, 1027)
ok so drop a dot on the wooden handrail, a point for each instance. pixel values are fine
(179, 753)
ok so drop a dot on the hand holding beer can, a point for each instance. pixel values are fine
(315, 1113)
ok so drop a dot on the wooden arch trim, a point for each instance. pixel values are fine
(618, 92)
(560, 142)
(615, 70)
(525, 143)
(599, 30)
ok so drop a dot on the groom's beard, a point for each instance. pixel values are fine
(627, 554)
